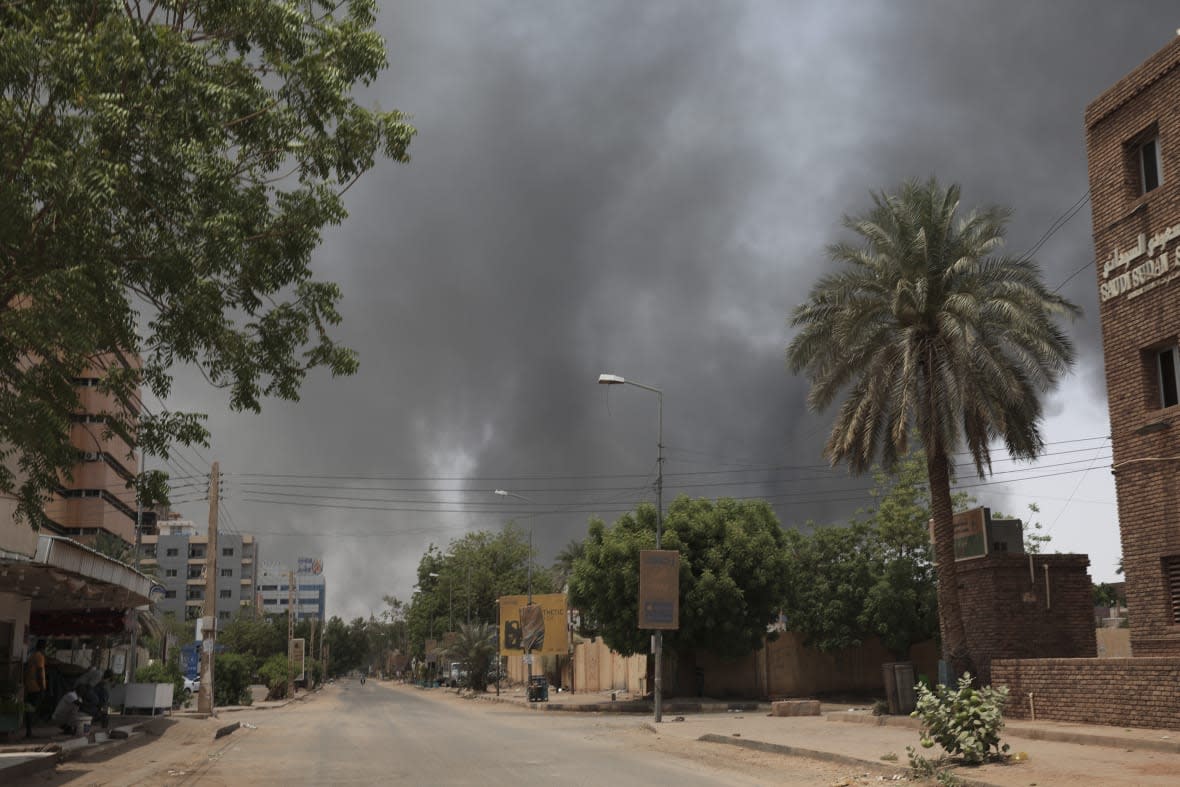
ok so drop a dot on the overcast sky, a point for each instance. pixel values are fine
(647, 189)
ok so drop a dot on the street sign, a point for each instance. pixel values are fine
(298, 648)
(659, 589)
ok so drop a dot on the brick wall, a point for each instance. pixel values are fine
(1140, 692)
(1012, 615)
(1140, 317)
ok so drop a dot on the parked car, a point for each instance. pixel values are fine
(191, 685)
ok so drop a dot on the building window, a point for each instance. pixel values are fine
(270, 601)
(1151, 174)
(172, 552)
(195, 594)
(223, 616)
(196, 552)
(268, 587)
(227, 551)
(227, 572)
(1172, 580)
(225, 594)
(169, 594)
(195, 572)
(170, 572)
(1168, 366)
(148, 550)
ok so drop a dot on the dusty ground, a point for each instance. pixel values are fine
(375, 735)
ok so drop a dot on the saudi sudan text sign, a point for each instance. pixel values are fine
(536, 628)
(659, 589)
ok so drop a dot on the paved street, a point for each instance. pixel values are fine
(390, 734)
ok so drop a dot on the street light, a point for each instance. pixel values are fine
(658, 648)
(529, 656)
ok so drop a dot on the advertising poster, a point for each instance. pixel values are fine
(539, 628)
(659, 589)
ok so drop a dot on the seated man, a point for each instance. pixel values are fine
(65, 715)
(96, 697)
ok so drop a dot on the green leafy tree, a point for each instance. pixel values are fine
(166, 171)
(257, 637)
(274, 675)
(232, 674)
(830, 575)
(732, 575)
(471, 575)
(928, 329)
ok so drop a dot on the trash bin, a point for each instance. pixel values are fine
(538, 689)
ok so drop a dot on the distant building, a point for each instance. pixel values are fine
(1133, 147)
(97, 499)
(274, 584)
(178, 552)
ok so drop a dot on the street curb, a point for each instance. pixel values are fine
(226, 730)
(1028, 733)
(37, 762)
(824, 756)
(630, 706)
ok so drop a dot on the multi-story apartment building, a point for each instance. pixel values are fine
(178, 554)
(97, 498)
(274, 588)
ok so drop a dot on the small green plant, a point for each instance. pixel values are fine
(880, 708)
(274, 674)
(890, 757)
(963, 720)
(924, 768)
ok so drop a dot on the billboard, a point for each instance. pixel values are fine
(971, 533)
(310, 565)
(298, 648)
(659, 589)
(536, 628)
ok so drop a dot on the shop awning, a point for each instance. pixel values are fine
(72, 586)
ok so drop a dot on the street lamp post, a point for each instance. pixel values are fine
(658, 647)
(528, 662)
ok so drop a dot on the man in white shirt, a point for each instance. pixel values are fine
(65, 715)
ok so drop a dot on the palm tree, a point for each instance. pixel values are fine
(933, 332)
(474, 647)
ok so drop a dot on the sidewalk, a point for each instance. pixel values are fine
(1050, 752)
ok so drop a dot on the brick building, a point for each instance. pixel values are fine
(1133, 146)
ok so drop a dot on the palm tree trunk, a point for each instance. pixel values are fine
(950, 613)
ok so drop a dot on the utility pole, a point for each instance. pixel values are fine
(209, 635)
(129, 677)
(290, 633)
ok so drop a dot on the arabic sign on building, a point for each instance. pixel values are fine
(1143, 267)
(659, 589)
(541, 627)
(971, 533)
(310, 565)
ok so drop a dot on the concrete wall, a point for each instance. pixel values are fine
(1139, 692)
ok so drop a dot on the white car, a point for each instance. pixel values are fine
(192, 685)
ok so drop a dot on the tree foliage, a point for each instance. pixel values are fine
(470, 576)
(732, 575)
(927, 328)
(166, 171)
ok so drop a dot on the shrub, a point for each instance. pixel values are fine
(231, 679)
(159, 672)
(964, 721)
(273, 673)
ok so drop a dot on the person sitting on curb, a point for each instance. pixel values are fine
(65, 715)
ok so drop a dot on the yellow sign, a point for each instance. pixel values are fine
(539, 628)
(659, 589)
